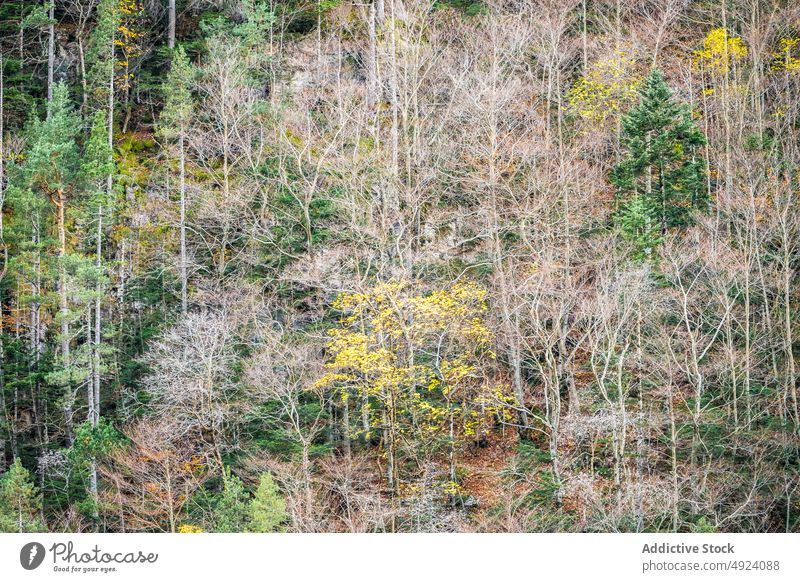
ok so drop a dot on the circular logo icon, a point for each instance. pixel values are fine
(31, 555)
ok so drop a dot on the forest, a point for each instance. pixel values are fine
(399, 266)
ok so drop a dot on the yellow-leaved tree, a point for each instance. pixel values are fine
(787, 57)
(607, 88)
(720, 51)
(417, 364)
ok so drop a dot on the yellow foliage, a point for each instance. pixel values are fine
(129, 7)
(430, 417)
(719, 51)
(607, 87)
(490, 404)
(195, 466)
(414, 354)
(189, 528)
(787, 58)
(128, 38)
(452, 488)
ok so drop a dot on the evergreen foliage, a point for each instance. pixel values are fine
(662, 177)
(20, 502)
(268, 508)
(334, 266)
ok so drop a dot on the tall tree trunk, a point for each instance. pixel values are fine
(36, 334)
(393, 201)
(21, 35)
(63, 307)
(99, 249)
(182, 185)
(51, 50)
(372, 62)
(95, 394)
(673, 459)
(84, 81)
(584, 43)
(791, 374)
(5, 418)
(171, 32)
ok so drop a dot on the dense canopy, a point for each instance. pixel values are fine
(399, 265)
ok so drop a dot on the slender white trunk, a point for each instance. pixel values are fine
(183, 267)
(3, 441)
(63, 307)
(51, 50)
(171, 33)
(372, 62)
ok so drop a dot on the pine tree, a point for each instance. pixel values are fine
(662, 164)
(174, 123)
(101, 54)
(96, 205)
(59, 173)
(231, 509)
(52, 171)
(95, 162)
(268, 507)
(20, 502)
(639, 225)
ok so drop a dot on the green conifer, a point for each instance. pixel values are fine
(662, 164)
(20, 502)
(268, 506)
(639, 225)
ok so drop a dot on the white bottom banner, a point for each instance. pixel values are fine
(401, 557)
